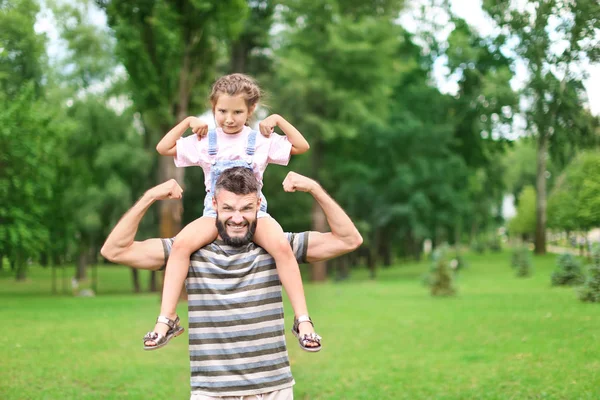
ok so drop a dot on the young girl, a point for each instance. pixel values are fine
(234, 98)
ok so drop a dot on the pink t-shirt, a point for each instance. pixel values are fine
(192, 151)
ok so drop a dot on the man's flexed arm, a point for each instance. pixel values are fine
(120, 246)
(343, 238)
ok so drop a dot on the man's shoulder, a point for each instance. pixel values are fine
(298, 241)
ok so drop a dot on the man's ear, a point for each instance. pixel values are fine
(214, 203)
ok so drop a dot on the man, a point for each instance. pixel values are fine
(237, 344)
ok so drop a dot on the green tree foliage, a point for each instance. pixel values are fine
(524, 222)
(568, 271)
(170, 50)
(554, 88)
(21, 50)
(574, 203)
(520, 167)
(30, 134)
(327, 82)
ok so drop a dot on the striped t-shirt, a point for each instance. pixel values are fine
(236, 330)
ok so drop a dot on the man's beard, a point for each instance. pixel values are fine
(237, 241)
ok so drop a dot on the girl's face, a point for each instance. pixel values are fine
(231, 113)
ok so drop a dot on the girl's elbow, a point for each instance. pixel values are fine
(161, 150)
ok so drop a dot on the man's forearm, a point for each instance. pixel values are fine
(341, 225)
(123, 234)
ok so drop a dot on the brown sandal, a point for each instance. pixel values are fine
(161, 340)
(306, 338)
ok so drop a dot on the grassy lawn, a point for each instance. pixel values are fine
(500, 338)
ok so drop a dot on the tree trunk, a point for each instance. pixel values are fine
(153, 285)
(372, 263)
(385, 252)
(21, 267)
(135, 278)
(239, 55)
(82, 263)
(319, 269)
(54, 284)
(540, 201)
(319, 222)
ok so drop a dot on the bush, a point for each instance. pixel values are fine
(478, 246)
(521, 261)
(590, 291)
(568, 271)
(441, 276)
(494, 244)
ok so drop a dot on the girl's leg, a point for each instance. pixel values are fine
(194, 236)
(270, 237)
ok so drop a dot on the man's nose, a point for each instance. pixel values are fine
(237, 218)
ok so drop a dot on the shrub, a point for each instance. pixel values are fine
(521, 261)
(590, 291)
(568, 271)
(478, 246)
(494, 244)
(441, 276)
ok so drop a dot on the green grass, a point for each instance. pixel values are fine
(501, 338)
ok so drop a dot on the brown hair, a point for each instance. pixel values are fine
(237, 180)
(236, 84)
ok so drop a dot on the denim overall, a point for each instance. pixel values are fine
(218, 166)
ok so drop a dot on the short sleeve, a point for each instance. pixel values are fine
(279, 150)
(167, 244)
(188, 151)
(299, 243)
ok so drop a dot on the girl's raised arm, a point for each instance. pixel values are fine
(299, 143)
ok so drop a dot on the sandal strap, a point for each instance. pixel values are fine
(152, 336)
(311, 337)
(299, 320)
(167, 321)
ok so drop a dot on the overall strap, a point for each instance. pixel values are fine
(251, 146)
(212, 142)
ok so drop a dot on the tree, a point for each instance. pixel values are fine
(553, 89)
(574, 204)
(169, 50)
(524, 222)
(26, 178)
(326, 80)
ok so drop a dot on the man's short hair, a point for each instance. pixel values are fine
(237, 180)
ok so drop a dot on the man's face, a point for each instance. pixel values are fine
(236, 216)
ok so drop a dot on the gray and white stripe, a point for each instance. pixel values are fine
(237, 344)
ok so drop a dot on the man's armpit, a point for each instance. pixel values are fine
(299, 243)
(167, 244)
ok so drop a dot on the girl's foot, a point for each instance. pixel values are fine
(306, 329)
(164, 330)
(303, 329)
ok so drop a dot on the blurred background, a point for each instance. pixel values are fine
(470, 127)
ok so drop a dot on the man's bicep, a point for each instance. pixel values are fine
(323, 246)
(148, 254)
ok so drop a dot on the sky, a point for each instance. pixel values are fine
(472, 13)
(469, 10)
